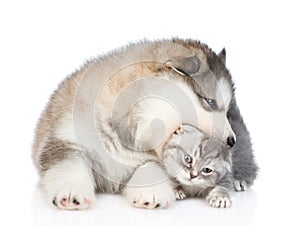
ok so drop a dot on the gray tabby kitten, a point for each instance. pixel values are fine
(200, 166)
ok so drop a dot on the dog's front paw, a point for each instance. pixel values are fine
(219, 197)
(69, 184)
(150, 197)
(240, 185)
(73, 200)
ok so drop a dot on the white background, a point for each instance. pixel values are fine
(41, 43)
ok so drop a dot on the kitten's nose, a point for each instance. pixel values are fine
(193, 175)
(230, 141)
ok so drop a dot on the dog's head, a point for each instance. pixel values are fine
(212, 84)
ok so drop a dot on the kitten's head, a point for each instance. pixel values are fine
(194, 159)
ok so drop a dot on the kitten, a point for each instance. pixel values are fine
(200, 166)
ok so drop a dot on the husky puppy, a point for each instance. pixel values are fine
(107, 122)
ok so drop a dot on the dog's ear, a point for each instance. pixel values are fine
(184, 66)
(222, 56)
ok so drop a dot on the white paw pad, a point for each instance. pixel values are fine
(150, 197)
(72, 201)
(240, 185)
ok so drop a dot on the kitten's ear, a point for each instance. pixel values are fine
(184, 66)
(222, 56)
(179, 130)
(203, 144)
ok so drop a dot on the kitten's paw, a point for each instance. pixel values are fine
(71, 200)
(240, 185)
(219, 201)
(219, 198)
(151, 197)
(180, 194)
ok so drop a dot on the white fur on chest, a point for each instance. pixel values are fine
(112, 164)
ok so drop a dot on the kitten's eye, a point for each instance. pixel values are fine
(210, 102)
(206, 171)
(188, 158)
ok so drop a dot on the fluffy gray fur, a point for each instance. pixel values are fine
(244, 167)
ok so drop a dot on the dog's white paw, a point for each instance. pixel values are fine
(180, 194)
(73, 200)
(69, 185)
(219, 198)
(240, 185)
(151, 197)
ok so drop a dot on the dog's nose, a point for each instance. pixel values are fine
(230, 141)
